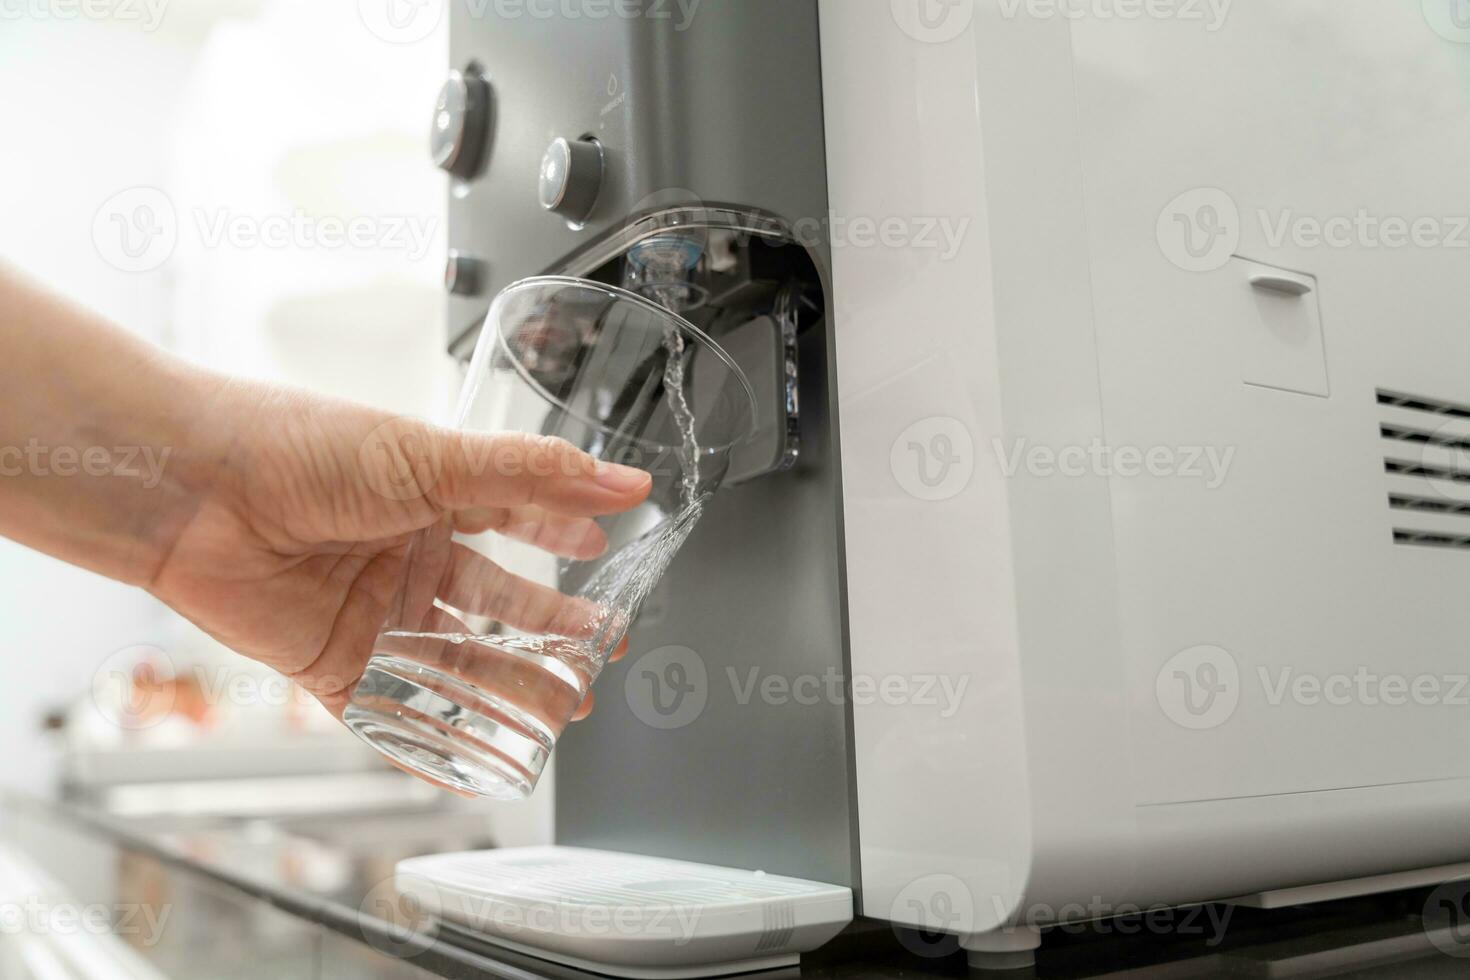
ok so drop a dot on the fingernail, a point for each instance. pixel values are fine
(614, 476)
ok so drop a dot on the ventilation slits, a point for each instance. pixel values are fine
(1429, 405)
(1426, 456)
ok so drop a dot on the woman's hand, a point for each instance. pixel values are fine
(297, 546)
(276, 521)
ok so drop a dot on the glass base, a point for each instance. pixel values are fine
(438, 726)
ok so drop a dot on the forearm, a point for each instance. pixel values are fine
(106, 443)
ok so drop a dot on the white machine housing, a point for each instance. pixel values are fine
(1153, 645)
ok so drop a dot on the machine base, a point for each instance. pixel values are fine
(1004, 949)
(624, 915)
(632, 973)
(1352, 888)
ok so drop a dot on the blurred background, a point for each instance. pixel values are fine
(247, 183)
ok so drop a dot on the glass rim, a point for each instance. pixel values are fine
(618, 294)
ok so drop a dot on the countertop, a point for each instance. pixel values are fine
(331, 876)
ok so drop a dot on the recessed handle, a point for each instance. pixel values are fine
(1281, 282)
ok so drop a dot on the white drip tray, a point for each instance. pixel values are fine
(626, 915)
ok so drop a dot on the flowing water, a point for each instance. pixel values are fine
(683, 415)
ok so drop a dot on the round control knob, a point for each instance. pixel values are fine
(461, 124)
(571, 177)
(464, 275)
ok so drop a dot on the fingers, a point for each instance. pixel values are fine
(577, 538)
(585, 709)
(337, 668)
(510, 470)
(475, 584)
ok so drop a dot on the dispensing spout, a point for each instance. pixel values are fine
(659, 267)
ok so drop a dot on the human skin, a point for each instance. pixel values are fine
(274, 519)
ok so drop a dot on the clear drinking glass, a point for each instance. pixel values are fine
(492, 644)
